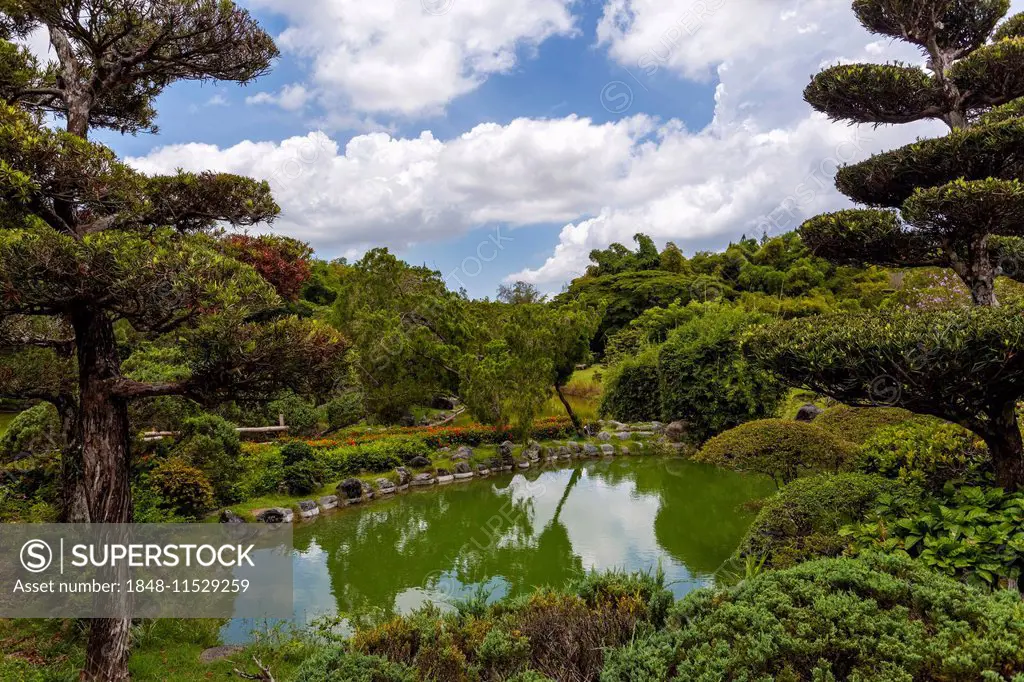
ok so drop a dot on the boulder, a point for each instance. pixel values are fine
(462, 468)
(419, 461)
(328, 502)
(524, 464)
(505, 452)
(590, 450)
(623, 450)
(228, 516)
(385, 486)
(275, 515)
(607, 450)
(623, 435)
(604, 435)
(464, 452)
(350, 489)
(308, 509)
(532, 452)
(403, 476)
(657, 427)
(808, 413)
(482, 470)
(677, 431)
(423, 479)
(367, 490)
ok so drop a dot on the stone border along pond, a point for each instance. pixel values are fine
(353, 491)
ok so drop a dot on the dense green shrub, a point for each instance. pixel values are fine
(372, 457)
(211, 444)
(929, 452)
(803, 520)
(183, 488)
(262, 471)
(296, 451)
(35, 431)
(300, 414)
(778, 448)
(631, 389)
(704, 378)
(344, 410)
(30, 489)
(303, 477)
(857, 424)
(645, 659)
(873, 618)
(336, 665)
(148, 506)
(613, 586)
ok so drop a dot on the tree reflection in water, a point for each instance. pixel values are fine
(513, 533)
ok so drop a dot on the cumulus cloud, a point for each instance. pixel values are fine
(293, 97)
(411, 57)
(764, 164)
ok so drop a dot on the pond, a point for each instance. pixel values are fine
(506, 535)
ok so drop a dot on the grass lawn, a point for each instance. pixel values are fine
(168, 649)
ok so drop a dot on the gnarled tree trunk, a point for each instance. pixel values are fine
(99, 490)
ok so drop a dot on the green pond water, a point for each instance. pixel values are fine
(511, 533)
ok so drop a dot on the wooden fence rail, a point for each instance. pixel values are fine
(280, 428)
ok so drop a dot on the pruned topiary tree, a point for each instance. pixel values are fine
(955, 201)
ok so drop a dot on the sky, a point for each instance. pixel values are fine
(502, 140)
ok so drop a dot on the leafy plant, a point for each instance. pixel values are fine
(972, 533)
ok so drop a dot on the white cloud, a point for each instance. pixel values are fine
(290, 98)
(765, 163)
(411, 57)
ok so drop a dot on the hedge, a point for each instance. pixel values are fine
(706, 381)
(631, 389)
(857, 424)
(803, 520)
(778, 448)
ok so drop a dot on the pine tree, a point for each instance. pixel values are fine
(955, 201)
(88, 245)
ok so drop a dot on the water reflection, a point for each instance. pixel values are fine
(513, 533)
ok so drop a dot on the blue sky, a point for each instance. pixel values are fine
(434, 126)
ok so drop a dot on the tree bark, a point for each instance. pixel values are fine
(99, 483)
(568, 408)
(107, 651)
(1006, 448)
